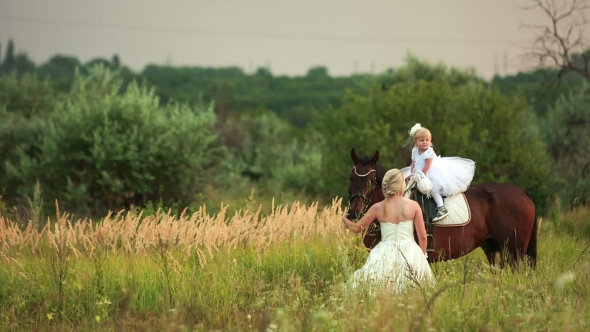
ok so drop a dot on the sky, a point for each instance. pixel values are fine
(289, 37)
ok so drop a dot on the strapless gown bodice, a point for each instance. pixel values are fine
(402, 233)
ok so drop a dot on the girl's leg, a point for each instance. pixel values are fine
(437, 198)
(441, 211)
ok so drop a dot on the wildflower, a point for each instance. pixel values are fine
(564, 280)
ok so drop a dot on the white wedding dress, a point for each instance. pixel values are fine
(395, 263)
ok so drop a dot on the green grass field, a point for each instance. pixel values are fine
(284, 271)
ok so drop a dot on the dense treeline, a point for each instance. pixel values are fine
(292, 98)
(97, 136)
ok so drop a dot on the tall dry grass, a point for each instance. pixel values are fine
(200, 232)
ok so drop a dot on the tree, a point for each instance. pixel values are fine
(99, 62)
(317, 71)
(263, 148)
(469, 121)
(8, 63)
(25, 105)
(116, 62)
(23, 64)
(415, 70)
(60, 70)
(566, 130)
(263, 71)
(560, 44)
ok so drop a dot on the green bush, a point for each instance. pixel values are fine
(25, 105)
(108, 150)
(264, 149)
(566, 131)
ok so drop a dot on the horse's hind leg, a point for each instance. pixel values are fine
(492, 251)
(514, 251)
(514, 257)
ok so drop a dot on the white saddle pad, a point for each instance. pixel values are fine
(459, 213)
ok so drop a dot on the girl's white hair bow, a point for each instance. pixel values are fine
(413, 130)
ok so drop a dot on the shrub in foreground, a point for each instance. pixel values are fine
(106, 150)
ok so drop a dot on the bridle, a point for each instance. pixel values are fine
(363, 175)
(367, 200)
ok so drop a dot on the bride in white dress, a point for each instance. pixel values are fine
(397, 261)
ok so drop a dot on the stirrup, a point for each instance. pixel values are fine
(429, 243)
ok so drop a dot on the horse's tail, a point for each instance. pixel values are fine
(531, 250)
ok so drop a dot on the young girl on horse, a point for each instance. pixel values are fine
(449, 175)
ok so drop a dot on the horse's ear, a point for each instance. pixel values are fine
(355, 158)
(375, 157)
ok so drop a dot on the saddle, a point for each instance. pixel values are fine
(460, 214)
(428, 207)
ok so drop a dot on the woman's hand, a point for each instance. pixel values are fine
(364, 222)
(349, 224)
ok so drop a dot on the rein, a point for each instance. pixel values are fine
(409, 186)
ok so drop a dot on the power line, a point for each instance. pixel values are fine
(242, 34)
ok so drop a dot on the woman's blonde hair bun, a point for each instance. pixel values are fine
(393, 183)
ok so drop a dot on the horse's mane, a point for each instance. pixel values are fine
(365, 160)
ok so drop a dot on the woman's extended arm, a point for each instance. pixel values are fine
(420, 229)
(365, 221)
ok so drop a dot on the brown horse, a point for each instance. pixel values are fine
(503, 217)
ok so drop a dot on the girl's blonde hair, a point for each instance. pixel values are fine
(393, 184)
(417, 132)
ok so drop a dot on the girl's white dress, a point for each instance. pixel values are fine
(449, 175)
(395, 263)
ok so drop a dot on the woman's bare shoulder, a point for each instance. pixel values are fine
(407, 200)
(410, 202)
(377, 206)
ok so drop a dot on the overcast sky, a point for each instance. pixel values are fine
(290, 36)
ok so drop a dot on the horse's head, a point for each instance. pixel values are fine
(364, 187)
